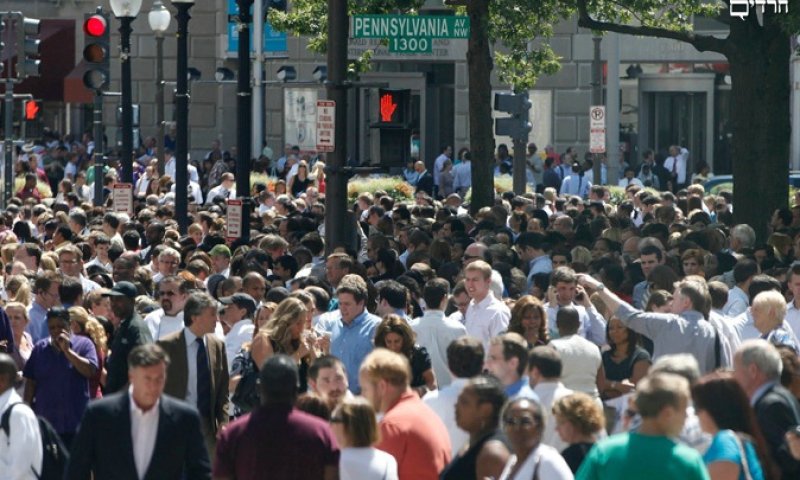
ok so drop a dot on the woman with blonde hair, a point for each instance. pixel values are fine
(18, 289)
(356, 430)
(318, 175)
(245, 369)
(85, 325)
(23, 342)
(529, 319)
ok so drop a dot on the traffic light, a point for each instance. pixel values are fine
(28, 63)
(518, 105)
(32, 110)
(394, 107)
(96, 51)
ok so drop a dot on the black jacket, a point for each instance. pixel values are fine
(777, 411)
(103, 445)
(130, 334)
(425, 183)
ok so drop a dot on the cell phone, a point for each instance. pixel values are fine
(579, 297)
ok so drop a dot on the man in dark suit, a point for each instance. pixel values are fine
(130, 332)
(198, 372)
(125, 434)
(425, 180)
(757, 368)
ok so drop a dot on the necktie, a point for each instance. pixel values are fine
(203, 380)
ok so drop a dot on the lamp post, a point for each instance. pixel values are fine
(126, 11)
(244, 106)
(159, 19)
(182, 116)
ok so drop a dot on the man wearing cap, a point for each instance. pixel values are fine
(172, 294)
(225, 190)
(221, 260)
(198, 372)
(129, 332)
(576, 183)
(237, 315)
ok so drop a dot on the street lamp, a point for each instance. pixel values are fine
(126, 11)
(182, 117)
(159, 19)
(244, 108)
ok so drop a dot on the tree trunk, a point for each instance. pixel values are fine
(481, 128)
(759, 60)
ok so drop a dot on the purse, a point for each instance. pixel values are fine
(246, 395)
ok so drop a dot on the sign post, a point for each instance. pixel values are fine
(233, 220)
(326, 125)
(597, 129)
(122, 198)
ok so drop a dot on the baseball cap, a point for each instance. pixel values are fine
(220, 250)
(241, 300)
(123, 289)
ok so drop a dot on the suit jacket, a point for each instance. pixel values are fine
(103, 446)
(178, 375)
(777, 411)
(130, 334)
(425, 183)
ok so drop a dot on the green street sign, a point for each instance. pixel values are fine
(409, 33)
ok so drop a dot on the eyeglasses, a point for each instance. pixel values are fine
(519, 422)
(166, 262)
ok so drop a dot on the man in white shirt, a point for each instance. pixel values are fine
(462, 176)
(793, 309)
(676, 164)
(738, 299)
(170, 167)
(225, 190)
(486, 315)
(70, 261)
(544, 376)
(221, 260)
(581, 360)
(238, 314)
(438, 164)
(21, 445)
(167, 264)
(564, 292)
(436, 332)
(101, 259)
(576, 183)
(465, 360)
(168, 319)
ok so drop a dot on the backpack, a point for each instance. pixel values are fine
(54, 453)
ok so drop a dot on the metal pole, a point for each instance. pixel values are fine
(612, 109)
(182, 119)
(519, 168)
(258, 85)
(97, 123)
(160, 101)
(244, 106)
(597, 99)
(126, 158)
(8, 144)
(336, 180)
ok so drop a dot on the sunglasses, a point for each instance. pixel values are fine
(519, 422)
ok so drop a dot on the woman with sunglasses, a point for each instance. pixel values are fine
(353, 422)
(478, 413)
(523, 424)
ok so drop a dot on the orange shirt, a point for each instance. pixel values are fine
(416, 437)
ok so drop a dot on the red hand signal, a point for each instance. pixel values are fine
(388, 106)
(31, 110)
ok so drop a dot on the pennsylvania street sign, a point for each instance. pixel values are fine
(409, 33)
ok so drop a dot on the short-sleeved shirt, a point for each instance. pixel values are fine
(61, 393)
(276, 442)
(623, 370)
(416, 437)
(633, 455)
(351, 343)
(725, 447)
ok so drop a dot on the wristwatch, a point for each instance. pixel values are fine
(600, 287)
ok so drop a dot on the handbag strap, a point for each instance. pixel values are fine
(743, 454)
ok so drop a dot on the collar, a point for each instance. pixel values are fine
(135, 410)
(191, 337)
(359, 319)
(515, 387)
(485, 302)
(692, 315)
(433, 314)
(237, 327)
(406, 396)
(760, 391)
(791, 306)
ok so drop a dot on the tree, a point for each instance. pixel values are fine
(759, 56)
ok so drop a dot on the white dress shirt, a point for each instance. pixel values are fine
(487, 318)
(191, 356)
(593, 325)
(581, 360)
(549, 393)
(160, 324)
(220, 191)
(241, 331)
(435, 332)
(679, 167)
(793, 318)
(738, 301)
(443, 403)
(21, 451)
(543, 462)
(144, 428)
(366, 463)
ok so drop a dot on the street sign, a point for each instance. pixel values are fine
(597, 117)
(597, 129)
(122, 198)
(326, 125)
(274, 41)
(442, 50)
(233, 220)
(409, 34)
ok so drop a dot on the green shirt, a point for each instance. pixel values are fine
(636, 456)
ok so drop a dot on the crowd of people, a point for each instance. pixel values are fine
(547, 336)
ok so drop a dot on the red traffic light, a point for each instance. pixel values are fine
(95, 26)
(31, 110)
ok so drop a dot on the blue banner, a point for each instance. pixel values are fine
(273, 41)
